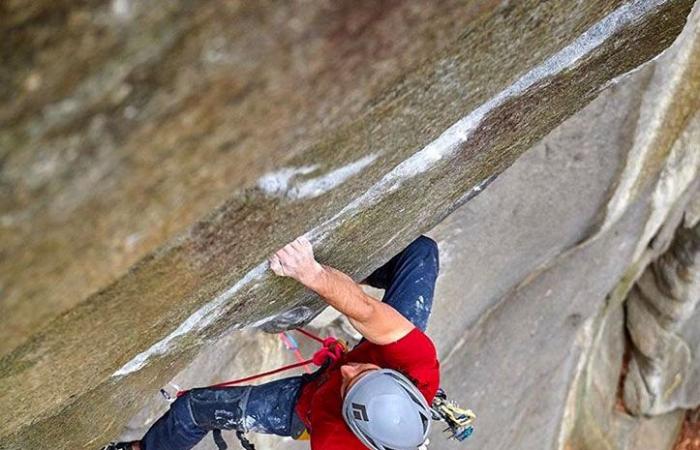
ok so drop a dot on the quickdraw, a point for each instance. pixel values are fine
(458, 420)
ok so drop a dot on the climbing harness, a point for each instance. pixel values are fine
(458, 420)
(245, 443)
(331, 350)
(221, 442)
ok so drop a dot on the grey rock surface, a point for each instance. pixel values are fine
(530, 263)
(521, 298)
(124, 122)
(663, 371)
(536, 356)
(456, 119)
(545, 204)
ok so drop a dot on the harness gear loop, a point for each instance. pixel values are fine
(167, 396)
(245, 443)
(219, 440)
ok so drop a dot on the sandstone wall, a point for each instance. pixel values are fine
(113, 167)
(529, 315)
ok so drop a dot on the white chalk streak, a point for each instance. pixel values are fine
(658, 99)
(200, 319)
(277, 183)
(122, 8)
(320, 185)
(449, 142)
(445, 145)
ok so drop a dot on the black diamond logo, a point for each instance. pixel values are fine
(359, 412)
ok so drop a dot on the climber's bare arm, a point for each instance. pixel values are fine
(376, 321)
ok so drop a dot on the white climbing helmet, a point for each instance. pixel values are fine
(387, 412)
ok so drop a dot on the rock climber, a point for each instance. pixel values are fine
(376, 396)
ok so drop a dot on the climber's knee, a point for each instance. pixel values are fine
(425, 250)
(219, 408)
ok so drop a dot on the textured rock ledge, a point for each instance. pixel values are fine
(122, 125)
(355, 227)
(663, 373)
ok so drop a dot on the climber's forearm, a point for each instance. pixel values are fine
(376, 321)
(341, 292)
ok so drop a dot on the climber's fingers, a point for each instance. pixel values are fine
(296, 247)
(276, 265)
(294, 259)
(288, 255)
(305, 243)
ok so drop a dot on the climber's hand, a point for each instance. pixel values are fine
(376, 321)
(296, 260)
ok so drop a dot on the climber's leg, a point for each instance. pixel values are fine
(409, 280)
(175, 430)
(267, 408)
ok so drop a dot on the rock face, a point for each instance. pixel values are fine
(529, 315)
(661, 314)
(135, 122)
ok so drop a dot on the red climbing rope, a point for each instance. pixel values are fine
(311, 336)
(331, 349)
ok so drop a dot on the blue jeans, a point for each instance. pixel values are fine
(409, 283)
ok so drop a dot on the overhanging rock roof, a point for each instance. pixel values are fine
(369, 182)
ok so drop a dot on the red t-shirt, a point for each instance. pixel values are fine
(320, 402)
